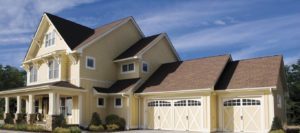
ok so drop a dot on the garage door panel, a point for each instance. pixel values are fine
(242, 114)
(153, 113)
(166, 115)
(181, 114)
(195, 115)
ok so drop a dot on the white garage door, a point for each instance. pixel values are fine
(180, 114)
(242, 114)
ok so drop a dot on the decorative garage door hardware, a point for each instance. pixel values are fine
(181, 114)
(242, 114)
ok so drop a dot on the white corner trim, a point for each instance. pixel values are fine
(86, 62)
(81, 47)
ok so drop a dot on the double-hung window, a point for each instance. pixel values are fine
(33, 74)
(118, 102)
(101, 102)
(145, 67)
(53, 69)
(50, 39)
(127, 68)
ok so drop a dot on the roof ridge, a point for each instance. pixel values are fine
(261, 57)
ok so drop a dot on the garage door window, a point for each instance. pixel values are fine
(249, 102)
(164, 104)
(233, 103)
(194, 103)
(180, 103)
(153, 104)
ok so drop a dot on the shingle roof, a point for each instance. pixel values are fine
(71, 32)
(75, 34)
(250, 73)
(187, 75)
(57, 84)
(119, 86)
(137, 47)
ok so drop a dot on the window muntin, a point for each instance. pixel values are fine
(145, 67)
(66, 105)
(101, 102)
(33, 74)
(153, 104)
(90, 62)
(50, 39)
(235, 102)
(164, 103)
(250, 102)
(53, 69)
(118, 102)
(242, 102)
(127, 67)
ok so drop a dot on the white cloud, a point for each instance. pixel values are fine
(219, 22)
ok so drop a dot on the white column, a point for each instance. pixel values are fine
(40, 104)
(31, 104)
(57, 103)
(27, 106)
(52, 103)
(18, 104)
(80, 109)
(6, 104)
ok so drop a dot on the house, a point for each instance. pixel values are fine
(75, 70)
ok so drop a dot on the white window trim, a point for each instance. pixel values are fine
(144, 62)
(132, 71)
(118, 106)
(36, 74)
(86, 63)
(59, 71)
(104, 102)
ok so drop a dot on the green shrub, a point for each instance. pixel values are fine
(75, 130)
(1, 116)
(40, 116)
(277, 131)
(35, 128)
(96, 128)
(95, 119)
(114, 119)
(276, 124)
(23, 127)
(8, 126)
(61, 130)
(21, 119)
(60, 121)
(112, 127)
(9, 119)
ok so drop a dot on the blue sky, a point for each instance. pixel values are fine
(197, 28)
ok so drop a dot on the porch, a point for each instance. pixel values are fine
(42, 104)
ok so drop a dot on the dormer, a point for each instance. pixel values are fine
(135, 62)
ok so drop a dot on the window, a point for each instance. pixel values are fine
(118, 103)
(53, 69)
(145, 67)
(164, 103)
(180, 103)
(279, 101)
(33, 74)
(90, 63)
(127, 68)
(250, 102)
(36, 106)
(194, 103)
(101, 102)
(66, 105)
(50, 39)
(236, 102)
(153, 104)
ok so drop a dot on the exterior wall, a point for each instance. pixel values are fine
(134, 112)
(121, 112)
(106, 50)
(280, 111)
(213, 112)
(59, 43)
(159, 54)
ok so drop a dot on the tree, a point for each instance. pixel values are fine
(293, 102)
(10, 77)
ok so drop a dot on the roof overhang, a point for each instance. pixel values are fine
(270, 88)
(175, 92)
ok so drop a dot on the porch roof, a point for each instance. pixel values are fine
(53, 84)
(120, 86)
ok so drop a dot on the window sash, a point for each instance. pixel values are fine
(90, 63)
(33, 74)
(118, 102)
(128, 67)
(50, 39)
(53, 69)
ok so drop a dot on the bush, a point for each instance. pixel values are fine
(67, 130)
(112, 127)
(96, 128)
(276, 124)
(21, 119)
(40, 116)
(23, 127)
(60, 121)
(95, 119)
(114, 119)
(9, 119)
(277, 131)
